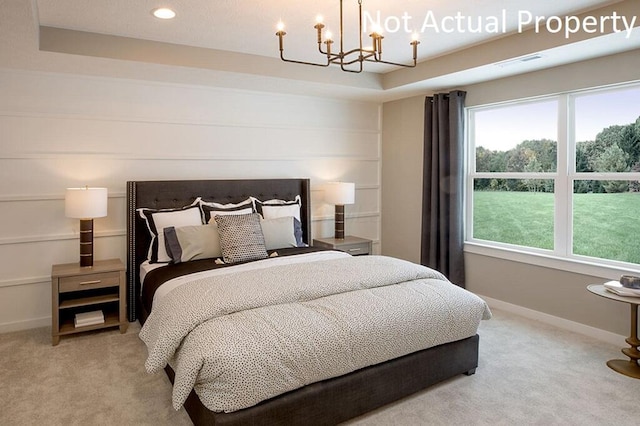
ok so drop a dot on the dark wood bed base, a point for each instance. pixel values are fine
(336, 400)
(324, 403)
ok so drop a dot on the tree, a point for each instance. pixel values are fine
(533, 185)
(613, 159)
(545, 152)
(582, 157)
(629, 142)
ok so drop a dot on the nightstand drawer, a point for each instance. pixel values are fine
(356, 249)
(89, 281)
(355, 246)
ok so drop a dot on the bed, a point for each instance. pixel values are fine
(326, 401)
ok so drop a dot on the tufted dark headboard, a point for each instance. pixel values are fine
(178, 193)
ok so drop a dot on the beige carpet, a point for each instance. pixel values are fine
(529, 374)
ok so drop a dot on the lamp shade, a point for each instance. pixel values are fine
(85, 203)
(340, 193)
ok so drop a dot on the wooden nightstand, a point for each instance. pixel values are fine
(78, 289)
(355, 246)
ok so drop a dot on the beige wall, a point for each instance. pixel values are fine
(66, 130)
(550, 291)
(402, 127)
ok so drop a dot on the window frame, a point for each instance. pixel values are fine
(562, 256)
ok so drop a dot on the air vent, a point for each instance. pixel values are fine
(520, 60)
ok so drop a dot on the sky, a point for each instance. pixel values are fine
(501, 129)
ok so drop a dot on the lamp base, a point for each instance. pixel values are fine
(339, 222)
(86, 242)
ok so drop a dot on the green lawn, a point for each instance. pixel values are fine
(605, 225)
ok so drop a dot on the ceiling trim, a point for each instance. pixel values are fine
(61, 40)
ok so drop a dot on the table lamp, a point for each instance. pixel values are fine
(339, 194)
(86, 204)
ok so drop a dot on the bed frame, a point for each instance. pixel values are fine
(324, 403)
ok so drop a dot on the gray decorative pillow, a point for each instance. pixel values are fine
(187, 243)
(279, 233)
(241, 237)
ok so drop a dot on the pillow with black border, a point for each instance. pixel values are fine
(241, 238)
(158, 219)
(211, 208)
(274, 208)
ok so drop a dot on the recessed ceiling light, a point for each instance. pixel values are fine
(163, 13)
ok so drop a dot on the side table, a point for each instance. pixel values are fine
(628, 368)
(77, 289)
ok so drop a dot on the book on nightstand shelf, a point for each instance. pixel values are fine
(84, 319)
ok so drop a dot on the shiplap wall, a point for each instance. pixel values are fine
(60, 130)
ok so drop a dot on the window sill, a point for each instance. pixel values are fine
(607, 272)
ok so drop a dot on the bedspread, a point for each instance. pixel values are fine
(245, 337)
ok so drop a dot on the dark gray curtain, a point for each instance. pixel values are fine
(442, 186)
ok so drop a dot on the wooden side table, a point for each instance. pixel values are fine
(355, 246)
(628, 368)
(76, 289)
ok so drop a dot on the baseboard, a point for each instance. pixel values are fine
(576, 327)
(25, 325)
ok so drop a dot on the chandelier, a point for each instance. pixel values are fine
(358, 55)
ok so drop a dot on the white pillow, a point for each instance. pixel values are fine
(272, 209)
(274, 212)
(278, 232)
(211, 208)
(214, 213)
(157, 220)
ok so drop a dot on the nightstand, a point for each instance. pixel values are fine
(78, 289)
(355, 246)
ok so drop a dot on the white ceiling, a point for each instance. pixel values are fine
(241, 35)
(250, 26)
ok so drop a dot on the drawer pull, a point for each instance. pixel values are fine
(90, 282)
(355, 249)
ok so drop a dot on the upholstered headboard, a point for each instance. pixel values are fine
(179, 193)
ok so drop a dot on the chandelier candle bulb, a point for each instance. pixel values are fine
(328, 42)
(415, 44)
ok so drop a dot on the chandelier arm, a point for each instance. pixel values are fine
(293, 61)
(358, 71)
(358, 59)
(352, 51)
(392, 63)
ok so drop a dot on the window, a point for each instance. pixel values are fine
(558, 176)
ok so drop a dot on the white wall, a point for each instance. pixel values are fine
(556, 292)
(64, 130)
